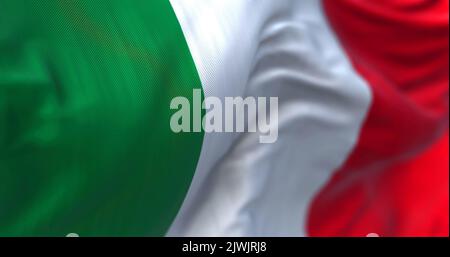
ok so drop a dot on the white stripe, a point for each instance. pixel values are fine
(281, 48)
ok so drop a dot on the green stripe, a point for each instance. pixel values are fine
(85, 139)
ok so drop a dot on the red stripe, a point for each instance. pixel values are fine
(396, 180)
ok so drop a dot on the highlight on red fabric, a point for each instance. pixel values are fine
(396, 181)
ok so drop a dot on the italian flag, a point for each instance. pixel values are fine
(86, 146)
